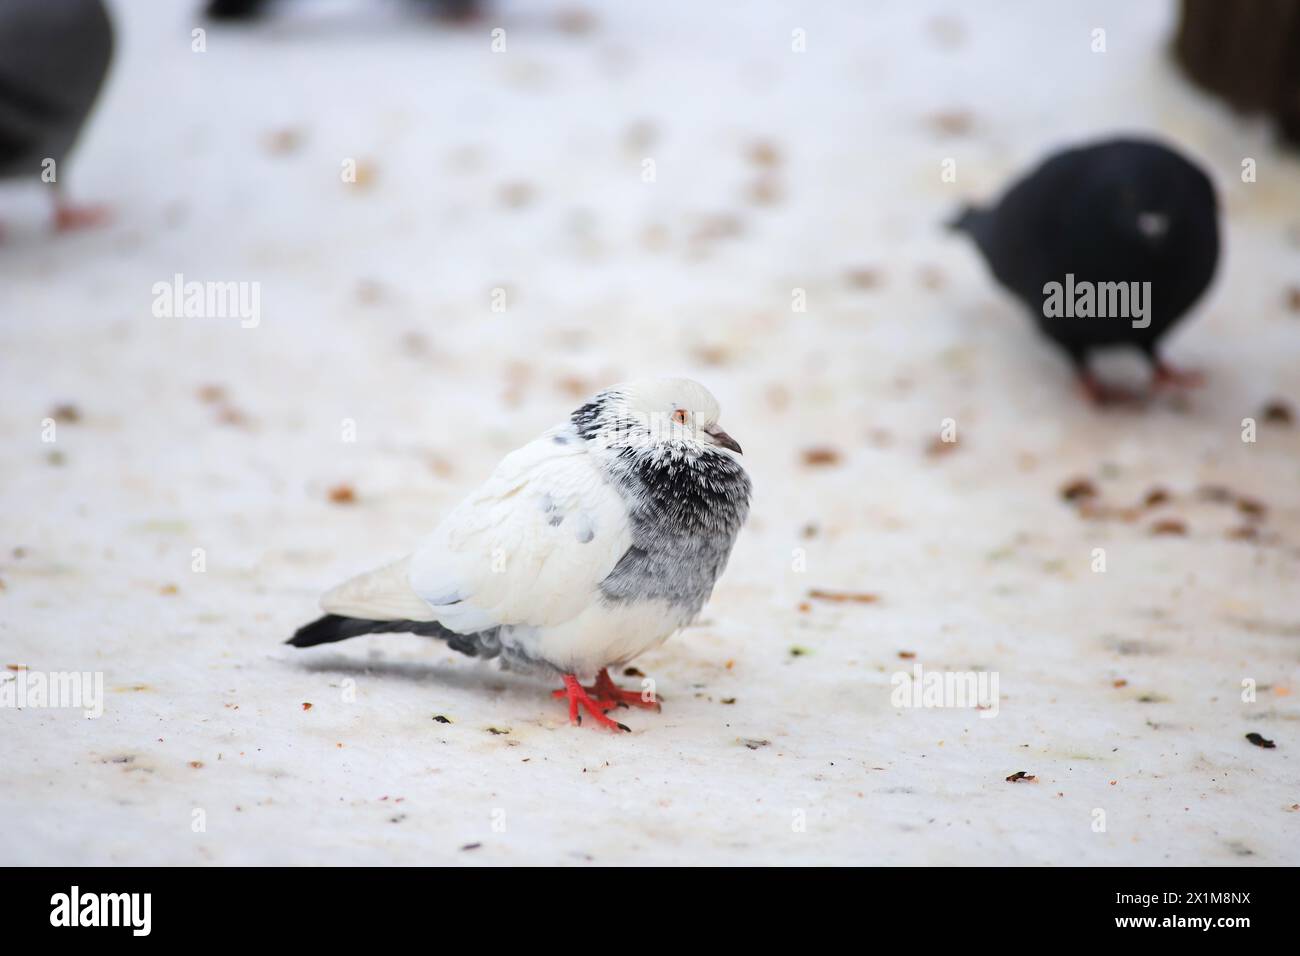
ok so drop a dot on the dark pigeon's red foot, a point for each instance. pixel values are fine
(1099, 393)
(580, 697)
(68, 218)
(1177, 377)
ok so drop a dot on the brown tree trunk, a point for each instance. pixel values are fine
(1248, 52)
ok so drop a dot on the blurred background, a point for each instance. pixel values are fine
(457, 229)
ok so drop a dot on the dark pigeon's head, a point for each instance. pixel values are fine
(1151, 193)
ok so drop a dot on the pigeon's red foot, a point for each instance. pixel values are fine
(607, 695)
(579, 697)
(69, 218)
(1099, 393)
(1166, 374)
(611, 693)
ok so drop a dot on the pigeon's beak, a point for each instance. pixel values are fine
(721, 438)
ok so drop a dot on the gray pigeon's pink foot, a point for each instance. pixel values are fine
(68, 218)
(578, 697)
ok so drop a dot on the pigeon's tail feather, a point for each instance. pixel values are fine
(980, 225)
(234, 9)
(331, 628)
(967, 219)
(335, 627)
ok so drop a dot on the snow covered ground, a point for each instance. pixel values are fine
(218, 443)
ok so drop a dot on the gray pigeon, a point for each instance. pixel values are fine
(54, 55)
(586, 547)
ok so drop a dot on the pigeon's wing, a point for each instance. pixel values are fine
(384, 594)
(531, 546)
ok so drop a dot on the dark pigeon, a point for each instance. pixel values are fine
(1120, 211)
(54, 55)
(252, 9)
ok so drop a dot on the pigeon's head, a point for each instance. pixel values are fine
(667, 415)
(1149, 192)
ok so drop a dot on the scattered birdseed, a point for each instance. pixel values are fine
(952, 122)
(66, 414)
(1251, 507)
(342, 495)
(815, 457)
(1277, 412)
(765, 191)
(931, 277)
(1079, 488)
(938, 446)
(575, 21)
(1215, 493)
(863, 278)
(230, 415)
(1155, 497)
(516, 195)
(282, 142)
(764, 153)
(843, 597)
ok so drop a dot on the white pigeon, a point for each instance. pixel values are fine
(586, 547)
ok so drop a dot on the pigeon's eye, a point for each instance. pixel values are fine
(680, 416)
